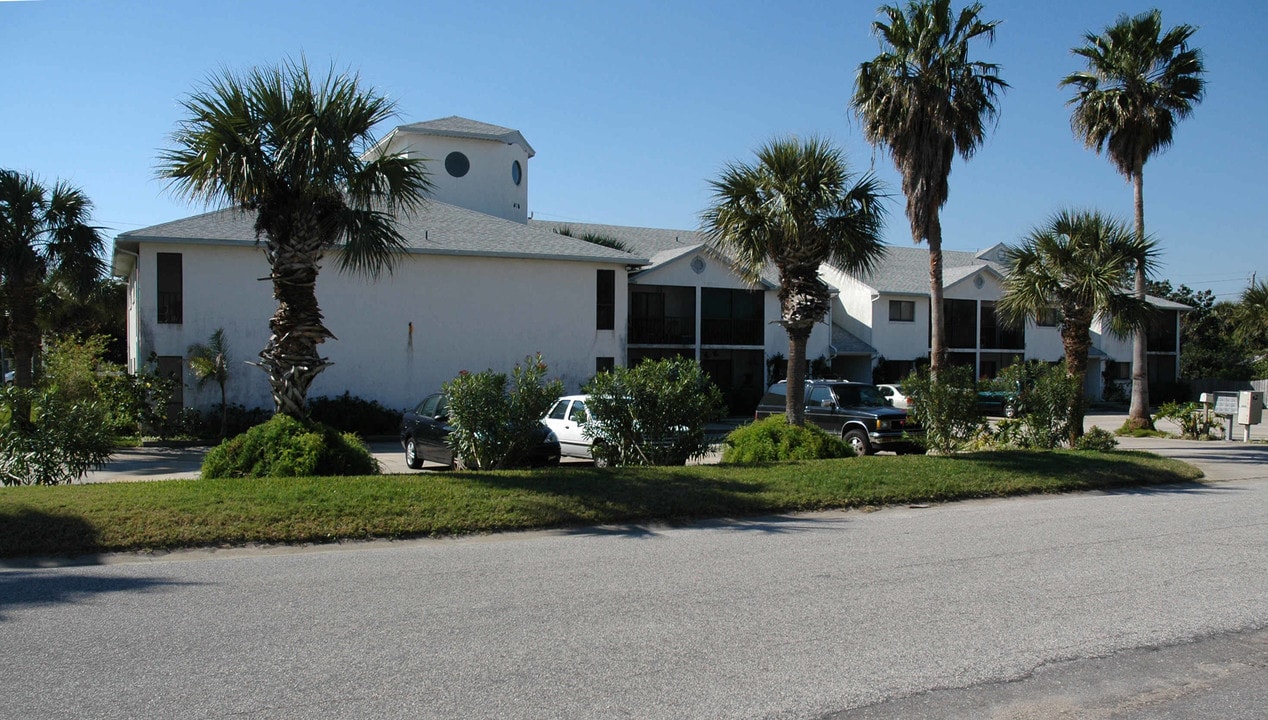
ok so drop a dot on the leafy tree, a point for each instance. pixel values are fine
(926, 101)
(654, 413)
(300, 155)
(1209, 345)
(1080, 263)
(496, 426)
(210, 363)
(1139, 82)
(45, 240)
(797, 207)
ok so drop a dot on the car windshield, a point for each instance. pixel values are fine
(859, 396)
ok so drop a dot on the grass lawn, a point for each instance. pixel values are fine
(79, 519)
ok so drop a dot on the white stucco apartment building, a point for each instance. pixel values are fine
(483, 286)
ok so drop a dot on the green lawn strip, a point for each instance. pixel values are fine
(78, 519)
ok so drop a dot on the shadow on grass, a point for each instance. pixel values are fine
(34, 589)
(33, 533)
(1114, 471)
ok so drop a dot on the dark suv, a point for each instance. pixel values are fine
(857, 412)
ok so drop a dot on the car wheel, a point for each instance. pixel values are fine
(858, 441)
(412, 461)
(1010, 411)
(600, 460)
(458, 463)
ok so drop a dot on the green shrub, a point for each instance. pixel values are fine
(1096, 440)
(946, 409)
(196, 424)
(65, 438)
(286, 447)
(1045, 396)
(772, 439)
(494, 427)
(1194, 420)
(652, 414)
(348, 413)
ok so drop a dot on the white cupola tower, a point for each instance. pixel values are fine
(471, 164)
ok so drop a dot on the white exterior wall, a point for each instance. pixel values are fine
(1044, 342)
(897, 340)
(854, 307)
(467, 314)
(487, 187)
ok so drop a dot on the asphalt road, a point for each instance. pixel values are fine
(1152, 601)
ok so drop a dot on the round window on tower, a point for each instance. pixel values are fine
(457, 164)
(517, 172)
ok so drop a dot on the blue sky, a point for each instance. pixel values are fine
(632, 107)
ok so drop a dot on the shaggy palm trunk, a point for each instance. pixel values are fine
(290, 358)
(804, 300)
(1138, 414)
(937, 332)
(1076, 340)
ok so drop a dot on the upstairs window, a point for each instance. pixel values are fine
(170, 285)
(902, 310)
(605, 300)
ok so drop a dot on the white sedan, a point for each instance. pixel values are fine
(567, 420)
(895, 394)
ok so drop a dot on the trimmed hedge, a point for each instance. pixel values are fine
(774, 440)
(286, 447)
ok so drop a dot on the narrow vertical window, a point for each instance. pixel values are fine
(170, 286)
(605, 302)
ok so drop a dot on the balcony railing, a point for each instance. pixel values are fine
(663, 331)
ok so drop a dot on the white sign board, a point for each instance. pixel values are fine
(1225, 404)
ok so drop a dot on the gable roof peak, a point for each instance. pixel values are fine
(457, 126)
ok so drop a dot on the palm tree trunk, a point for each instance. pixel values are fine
(290, 358)
(795, 401)
(937, 340)
(1138, 414)
(1076, 340)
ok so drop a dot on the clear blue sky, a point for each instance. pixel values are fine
(633, 106)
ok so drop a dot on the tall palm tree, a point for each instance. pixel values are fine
(797, 207)
(1081, 264)
(210, 363)
(926, 101)
(1139, 82)
(45, 241)
(298, 154)
(1251, 316)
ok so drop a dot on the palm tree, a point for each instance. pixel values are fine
(45, 240)
(1139, 82)
(797, 207)
(210, 363)
(1081, 264)
(299, 154)
(926, 101)
(1251, 316)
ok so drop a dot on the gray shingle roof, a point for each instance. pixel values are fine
(847, 343)
(454, 126)
(438, 228)
(905, 270)
(660, 244)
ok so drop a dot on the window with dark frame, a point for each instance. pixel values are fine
(902, 310)
(1048, 317)
(604, 364)
(169, 284)
(605, 300)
